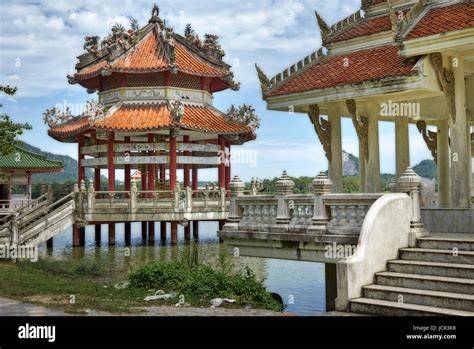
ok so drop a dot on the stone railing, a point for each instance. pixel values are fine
(174, 201)
(318, 213)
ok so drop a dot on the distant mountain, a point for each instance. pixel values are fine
(70, 167)
(350, 164)
(427, 169)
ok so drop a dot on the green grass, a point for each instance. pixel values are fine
(27, 283)
(51, 282)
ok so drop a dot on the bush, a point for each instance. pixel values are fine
(83, 267)
(204, 283)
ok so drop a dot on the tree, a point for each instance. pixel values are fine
(9, 130)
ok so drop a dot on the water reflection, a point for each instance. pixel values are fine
(300, 284)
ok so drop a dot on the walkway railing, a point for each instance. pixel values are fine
(320, 212)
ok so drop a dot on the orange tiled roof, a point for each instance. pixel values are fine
(368, 26)
(149, 56)
(365, 65)
(444, 19)
(70, 128)
(149, 117)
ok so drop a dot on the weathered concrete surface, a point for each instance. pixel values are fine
(446, 220)
(379, 241)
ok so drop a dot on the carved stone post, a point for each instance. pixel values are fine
(410, 183)
(14, 230)
(176, 191)
(284, 187)
(189, 199)
(50, 194)
(237, 188)
(393, 185)
(321, 185)
(223, 199)
(133, 194)
(90, 197)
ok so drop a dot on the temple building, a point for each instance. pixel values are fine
(154, 116)
(402, 61)
(16, 171)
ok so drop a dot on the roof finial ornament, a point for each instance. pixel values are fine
(155, 16)
(265, 83)
(155, 12)
(325, 29)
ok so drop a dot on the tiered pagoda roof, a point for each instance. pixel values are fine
(365, 46)
(153, 117)
(145, 71)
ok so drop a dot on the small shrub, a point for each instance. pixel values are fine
(204, 282)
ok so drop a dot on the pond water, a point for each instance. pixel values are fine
(300, 284)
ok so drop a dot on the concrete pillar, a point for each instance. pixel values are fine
(128, 233)
(373, 162)
(82, 236)
(98, 234)
(221, 168)
(331, 286)
(461, 168)
(187, 232)
(174, 233)
(402, 145)
(444, 190)
(196, 230)
(111, 180)
(75, 236)
(335, 165)
(151, 232)
(172, 145)
(163, 232)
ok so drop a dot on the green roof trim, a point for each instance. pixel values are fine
(24, 159)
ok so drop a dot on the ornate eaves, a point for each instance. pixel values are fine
(361, 125)
(322, 128)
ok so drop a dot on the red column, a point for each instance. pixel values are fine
(81, 173)
(172, 160)
(174, 233)
(163, 173)
(75, 235)
(151, 187)
(228, 173)
(144, 187)
(128, 169)
(195, 184)
(221, 143)
(98, 227)
(111, 180)
(186, 167)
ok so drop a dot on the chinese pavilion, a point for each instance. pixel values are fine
(16, 170)
(402, 61)
(155, 114)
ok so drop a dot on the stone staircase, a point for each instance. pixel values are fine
(435, 278)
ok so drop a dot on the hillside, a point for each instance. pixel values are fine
(70, 167)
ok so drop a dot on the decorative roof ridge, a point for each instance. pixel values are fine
(344, 24)
(71, 120)
(411, 17)
(182, 40)
(39, 156)
(268, 85)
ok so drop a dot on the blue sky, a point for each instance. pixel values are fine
(39, 42)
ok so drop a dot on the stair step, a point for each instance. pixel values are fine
(425, 282)
(387, 308)
(435, 255)
(431, 268)
(431, 298)
(446, 243)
